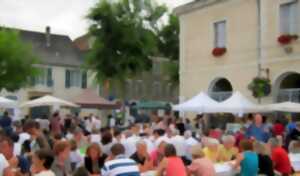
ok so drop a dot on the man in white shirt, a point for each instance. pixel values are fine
(179, 143)
(190, 142)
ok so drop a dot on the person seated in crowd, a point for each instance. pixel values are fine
(189, 141)
(76, 158)
(294, 147)
(38, 139)
(61, 165)
(228, 151)
(141, 157)
(247, 160)
(201, 166)
(295, 133)
(215, 132)
(41, 163)
(81, 140)
(19, 163)
(280, 157)
(258, 130)
(157, 155)
(265, 163)
(278, 128)
(212, 150)
(94, 159)
(106, 142)
(179, 143)
(171, 164)
(117, 164)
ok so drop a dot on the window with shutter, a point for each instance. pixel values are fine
(288, 18)
(67, 80)
(49, 77)
(220, 34)
(84, 80)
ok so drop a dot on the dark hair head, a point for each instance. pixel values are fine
(159, 132)
(117, 132)
(117, 149)
(7, 139)
(170, 150)
(106, 138)
(29, 124)
(81, 171)
(46, 156)
(246, 145)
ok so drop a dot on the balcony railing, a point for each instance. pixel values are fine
(292, 95)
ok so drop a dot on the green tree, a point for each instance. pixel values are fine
(125, 33)
(16, 61)
(169, 46)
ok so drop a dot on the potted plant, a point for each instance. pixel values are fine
(286, 39)
(260, 87)
(217, 52)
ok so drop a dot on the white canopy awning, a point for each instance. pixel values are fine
(284, 107)
(201, 103)
(7, 103)
(238, 104)
(48, 101)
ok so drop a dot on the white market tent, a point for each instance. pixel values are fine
(238, 104)
(7, 103)
(48, 101)
(284, 107)
(201, 103)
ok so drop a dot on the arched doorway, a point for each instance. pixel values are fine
(220, 89)
(287, 87)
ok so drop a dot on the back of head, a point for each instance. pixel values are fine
(117, 149)
(274, 142)
(81, 171)
(260, 148)
(170, 150)
(46, 156)
(246, 145)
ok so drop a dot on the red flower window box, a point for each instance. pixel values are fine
(286, 39)
(217, 52)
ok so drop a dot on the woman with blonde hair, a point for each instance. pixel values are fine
(94, 160)
(201, 166)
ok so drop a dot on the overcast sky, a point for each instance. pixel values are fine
(64, 16)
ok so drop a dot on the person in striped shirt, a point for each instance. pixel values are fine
(118, 164)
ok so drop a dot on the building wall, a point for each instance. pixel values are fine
(199, 68)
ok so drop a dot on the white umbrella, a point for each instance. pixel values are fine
(7, 103)
(201, 103)
(284, 107)
(48, 101)
(239, 104)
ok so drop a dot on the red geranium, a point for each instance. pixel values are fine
(217, 52)
(284, 39)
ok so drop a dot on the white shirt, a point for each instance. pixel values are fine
(3, 164)
(190, 142)
(23, 137)
(95, 138)
(45, 173)
(130, 145)
(96, 123)
(76, 158)
(179, 144)
(88, 125)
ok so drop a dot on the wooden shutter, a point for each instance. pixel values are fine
(67, 80)
(84, 80)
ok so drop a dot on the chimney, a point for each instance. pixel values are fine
(48, 36)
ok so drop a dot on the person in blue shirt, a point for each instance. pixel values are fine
(247, 160)
(258, 130)
(6, 123)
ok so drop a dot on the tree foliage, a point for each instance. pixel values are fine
(16, 61)
(125, 33)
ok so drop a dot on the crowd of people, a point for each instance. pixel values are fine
(65, 146)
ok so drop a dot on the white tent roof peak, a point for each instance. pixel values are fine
(7, 103)
(48, 100)
(200, 103)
